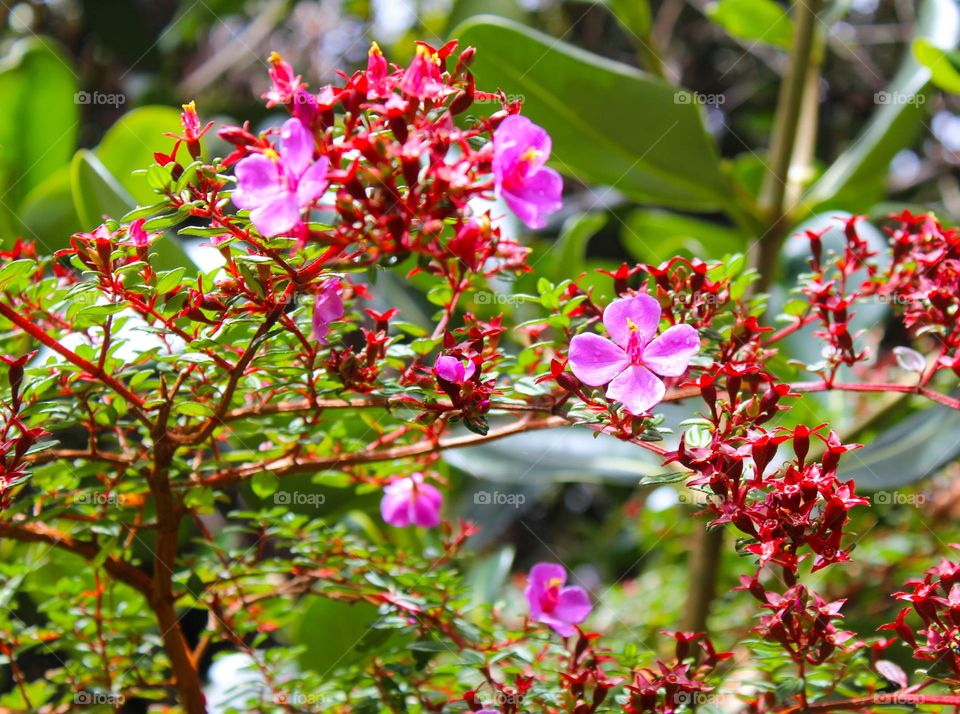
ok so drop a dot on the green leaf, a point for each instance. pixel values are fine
(567, 255)
(38, 129)
(754, 21)
(634, 15)
(944, 66)
(653, 236)
(462, 10)
(264, 484)
(195, 409)
(593, 107)
(856, 179)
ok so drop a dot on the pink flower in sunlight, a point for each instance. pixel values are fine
(530, 189)
(277, 187)
(138, 237)
(451, 369)
(327, 308)
(631, 360)
(410, 501)
(553, 604)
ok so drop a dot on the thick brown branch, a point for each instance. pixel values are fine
(119, 569)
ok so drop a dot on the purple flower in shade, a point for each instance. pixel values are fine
(277, 187)
(488, 711)
(531, 190)
(410, 501)
(553, 604)
(327, 307)
(451, 369)
(631, 362)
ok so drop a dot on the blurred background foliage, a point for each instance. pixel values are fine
(661, 115)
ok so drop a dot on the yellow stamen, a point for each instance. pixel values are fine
(275, 58)
(556, 582)
(271, 154)
(530, 154)
(632, 325)
(190, 107)
(375, 49)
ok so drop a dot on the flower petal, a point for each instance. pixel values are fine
(564, 629)
(637, 388)
(515, 136)
(258, 182)
(670, 354)
(297, 146)
(313, 182)
(642, 310)
(425, 506)
(595, 360)
(394, 508)
(536, 197)
(574, 605)
(278, 216)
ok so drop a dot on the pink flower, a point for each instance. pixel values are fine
(327, 307)
(531, 190)
(553, 604)
(411, 501)
(631, 362)
(451, 369)
(423, 78)
(277, 187)
(138, 237)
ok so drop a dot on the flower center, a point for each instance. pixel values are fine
(635, 343)
(550, 597)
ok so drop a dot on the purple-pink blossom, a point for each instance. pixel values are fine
(633, 356)
(452, 369)
(411, 501)
(554, 603)
(277, 187)
(530, 189)
(327, 307)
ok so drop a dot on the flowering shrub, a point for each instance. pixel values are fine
(145, 409)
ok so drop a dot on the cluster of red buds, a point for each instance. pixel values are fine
(680, 685)
(936, 601)
(831, 295)
(923, 280)
(16, 439)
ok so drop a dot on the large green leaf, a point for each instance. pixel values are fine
(48, 215)
(912, 450)
(653, 236)
(944, 65)
(129, 145)
(38, 127)
(610, 123)
(856, 179)
(754, 21)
